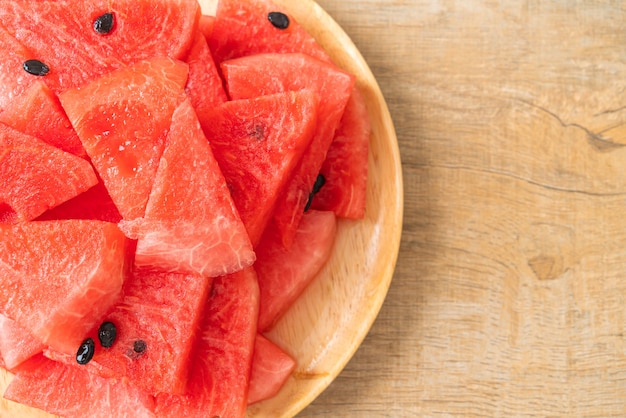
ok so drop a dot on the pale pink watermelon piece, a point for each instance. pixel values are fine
(191, 224)
(73, 392)
(35, 176)
(271, 367)
(59, 278)
(218, 383)
(16, 343)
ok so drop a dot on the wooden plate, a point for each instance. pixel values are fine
(328, 323)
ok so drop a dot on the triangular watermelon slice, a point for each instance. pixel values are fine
(35, 176)
(262, 74)
(122, 120)
(191, 224)
(17, 344)
(59, 278)
(218, 384)
(61, 34)
(257, 143)
(271, 367)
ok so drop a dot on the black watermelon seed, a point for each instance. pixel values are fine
(104, 23)
(139, 346)
(36, 67)
(320, 181)
(107, 334)
(85, 351)
(278, 19)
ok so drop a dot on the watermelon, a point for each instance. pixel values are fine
(262, 74)
(257, 143)
(35, 176)
(16, 343)
(75, 393)
(285, 273)
(196, 228)
(345, 168)
(61, 34)
(38, 112)
(122, 120)
(59, 278)
(218, 383)
(206, 23)
(13, 79)
(243, 28)
(271, 367)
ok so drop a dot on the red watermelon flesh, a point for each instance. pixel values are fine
(204, 86)
(271, 367)
(61, 34)
(345, 167)
(16, 343)
(59, 278)
(38, 112)
(13, 79)
(206, 24)
(257, 143)
(218, 383)
(285, 273)
(193, 228)
(35, 176)
(242, 28)
(73, 392)
(261, 74)
(122, 120)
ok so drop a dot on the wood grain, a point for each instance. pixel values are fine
(508, 296)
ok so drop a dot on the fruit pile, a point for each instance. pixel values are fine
(170, 183)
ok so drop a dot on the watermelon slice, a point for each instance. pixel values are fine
(271, 367)
(244, 28)
(345, 167)
(262, 74)
(257, 143)
(285, 273)
(16, 343)
(75, 393)
(195, 228)
(35, 176)
(218, 384)
(122, 120)
(61, 34)
(38, 112)
(13, 79)
(59, 278)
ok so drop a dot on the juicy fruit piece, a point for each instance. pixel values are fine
(285, 273)
(218, 383)
(38, 112)
(52, 29)
(243, 28)
(16, 343)
(257, 143)
(194, 228)
(262, 74)
(13, 79)
(81, 394)
(59, 278)
(271, 367)
(345, 167)
(122, 120)
(35, 176)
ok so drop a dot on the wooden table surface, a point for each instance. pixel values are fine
(508, 297)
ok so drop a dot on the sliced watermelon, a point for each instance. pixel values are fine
(38, 112)
(218, 384)
(345, 167)
(61, 34)
(243, 28)
(285, 273)
(35, 176)
(59, 278)
(16, 343)
(257, 143)
(206, 25)
(271, 367)
(262, 74)
(75, 393)
(122, 120)
(13, 79)
(195, 228)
